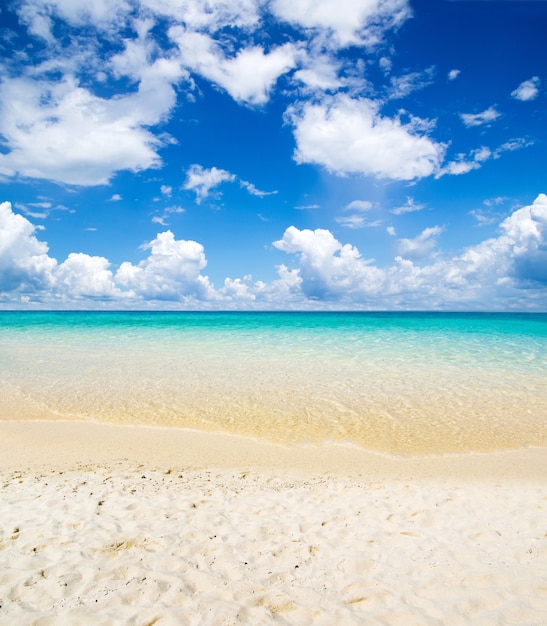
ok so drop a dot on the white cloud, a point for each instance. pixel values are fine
(247, 77)
(328, 269)
(166, 190)
(356, 219)
(526, 230)
(66, 129)
(350, 136)
(85, 276)
(453, 74)
(483, 219)
(55, 126)
(202, 180)
(40, 210)
(509, 270)
(385, 64)
(319, 72)
(352, 221)
(24, 262)
(410, 206)
(527, 90)
(102, 14)
(512, 145)
(359, 205)
(172, 271)
(208, 15)
(421, 246)
(238, 290)
(402, 86)
(478, 119)
(254, 191)
(344, 22)
(167, 212)
(61, 132)
(464, 165)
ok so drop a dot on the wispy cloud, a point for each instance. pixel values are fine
(201, 180)
(40, 210)
(410, 206)
(163, 218)
(527, 90)
(254, 191)
(478, 119)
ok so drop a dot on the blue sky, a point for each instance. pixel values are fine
(273, 154)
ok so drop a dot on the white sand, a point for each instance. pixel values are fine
(121, 525)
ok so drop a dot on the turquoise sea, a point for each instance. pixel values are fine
(393, 382)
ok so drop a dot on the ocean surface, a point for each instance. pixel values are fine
(401, 383)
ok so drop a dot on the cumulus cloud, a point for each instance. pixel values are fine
(172, 271)
(478, 119)
(102, 14)
(92, 106)
(24, 262)
(210, 15)
(328, 269)
(507, 270)
(319, 72)
(57, 121)
(345, 22)
(526, 231)
(453, 74)
(527, 90)
(84, 276)
(247, 77)
(350, 136)
(61, 132)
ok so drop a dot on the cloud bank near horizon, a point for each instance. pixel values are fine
(325, 273)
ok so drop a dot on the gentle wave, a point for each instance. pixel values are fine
(395, 382)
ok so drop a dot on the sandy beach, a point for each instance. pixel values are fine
(125, 525)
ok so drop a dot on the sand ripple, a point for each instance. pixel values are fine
(122, 544)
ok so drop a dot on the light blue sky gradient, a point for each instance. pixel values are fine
(280, 154)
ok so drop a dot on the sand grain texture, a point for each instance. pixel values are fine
(126, 542)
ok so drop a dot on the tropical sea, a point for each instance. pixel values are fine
(399, 383)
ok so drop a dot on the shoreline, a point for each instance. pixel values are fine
(62, 444)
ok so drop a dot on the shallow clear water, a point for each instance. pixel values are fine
(395, 382)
